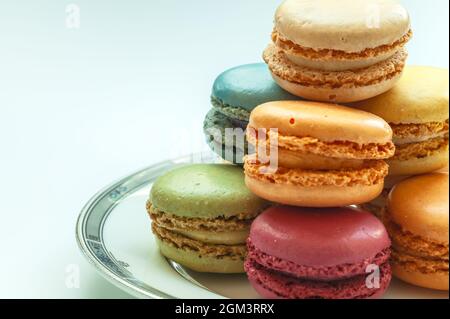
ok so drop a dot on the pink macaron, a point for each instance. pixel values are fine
(333, 253)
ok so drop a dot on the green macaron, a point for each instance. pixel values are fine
(201, 216)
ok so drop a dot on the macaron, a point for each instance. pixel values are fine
(330, 253)
(377, 205)
(338, 51)
(327, 155)
(417, 110)
(201, 216)
(231, 144)
(235, 93)
(416, 217)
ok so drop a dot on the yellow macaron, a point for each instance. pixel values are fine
(417, 110)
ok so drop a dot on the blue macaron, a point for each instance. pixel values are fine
(237, 91)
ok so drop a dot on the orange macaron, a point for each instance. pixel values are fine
(327, 155)
(416, 217)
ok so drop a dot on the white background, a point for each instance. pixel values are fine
(81, 108)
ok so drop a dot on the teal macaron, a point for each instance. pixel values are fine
(235, 93)
(201, 216)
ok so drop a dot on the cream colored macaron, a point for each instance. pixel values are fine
(339, 51)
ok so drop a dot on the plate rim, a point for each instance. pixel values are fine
(93, 260)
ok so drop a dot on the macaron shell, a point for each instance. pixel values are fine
(234, 113)
(205, 191)
(352, 85)
(193, 260)
(319, 237)
(326, 122)
(215, 237)
(426, 214)
(327, 63)
(342, 25)
(421, 96)
(321, 273)
(303, 160)
(319, 196)
(438, 281)
(222, 144)
(277, 285)
(269, 294)
(248, 86)
(340, 94)
(419, 165)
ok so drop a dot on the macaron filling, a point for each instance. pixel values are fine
(233, 112)
(198, 232)
(415, 253)
(423, 149)
(287, 45)
(420, 141)
(312, 162)
(204, 249)
(291, 159)
(334, 149)
(279, 285)
(414, 133)
(373, 174)
(285, 69)
(227, 231)
(423, 265)
(319, 273)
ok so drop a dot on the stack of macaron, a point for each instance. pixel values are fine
(298, 216)
(328, 158)
(235, 93)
